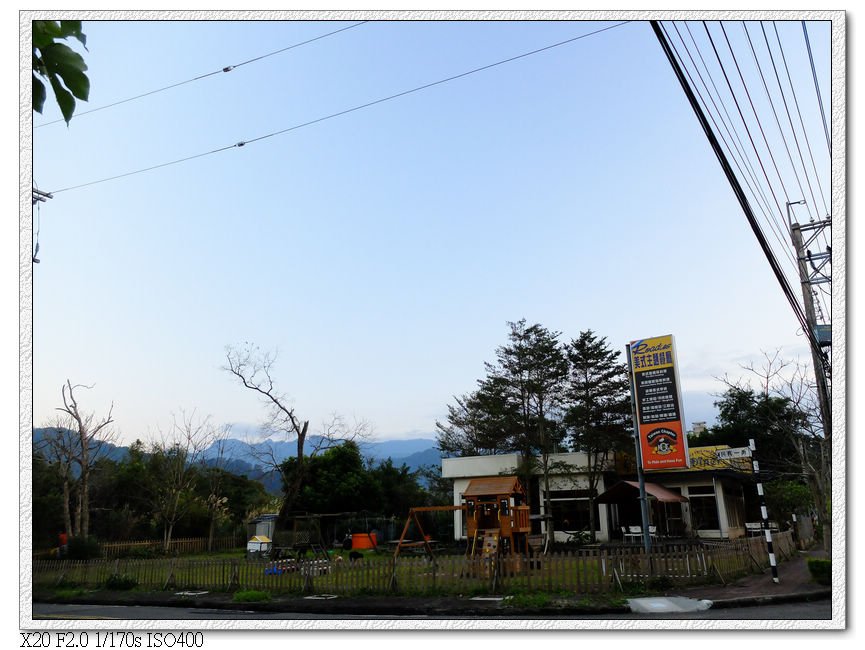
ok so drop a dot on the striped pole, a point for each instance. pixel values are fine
(765, 514)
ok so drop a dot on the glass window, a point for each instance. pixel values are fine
(704, 511)
(573, 515)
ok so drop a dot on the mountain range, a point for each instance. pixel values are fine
(253, 459)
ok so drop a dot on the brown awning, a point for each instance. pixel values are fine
(628, 490)
(493, 486)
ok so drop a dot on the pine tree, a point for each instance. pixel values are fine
(598, 416)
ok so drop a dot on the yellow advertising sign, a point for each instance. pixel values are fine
(662, 439)
(705, 459)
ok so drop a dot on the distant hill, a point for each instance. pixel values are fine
(253, 460)
(107, 450)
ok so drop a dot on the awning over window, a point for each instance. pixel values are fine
(624, 491)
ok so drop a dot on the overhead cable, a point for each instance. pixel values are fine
(736, 186)
(227, 68)
(817, 87)
(243, 143)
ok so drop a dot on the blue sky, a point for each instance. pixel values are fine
(382, 252)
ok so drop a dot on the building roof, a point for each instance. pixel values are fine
(628, 490)
(493, 485)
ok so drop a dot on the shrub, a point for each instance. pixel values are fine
(251, 596)
(528, 601)
(83, 548)
(821, 570)
(121, 582)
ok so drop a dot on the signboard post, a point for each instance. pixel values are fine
(644, 504)
(659, 424)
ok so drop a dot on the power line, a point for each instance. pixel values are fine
(227, 68)
(744, 121)
(734, 135)
(757, 193)
(817, 87)
(757, 117)
(347, 111)
(774, 112)
(789, 117)
(801, 120)
(736, 186)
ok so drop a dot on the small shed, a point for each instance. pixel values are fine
(263, 525)
(260, 544)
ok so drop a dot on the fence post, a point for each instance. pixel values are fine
(234, 582)
(170, 580)
(308, 586)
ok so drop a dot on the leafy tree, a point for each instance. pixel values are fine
(335, 481)
(46, 501)
(598, 415)
(481, 423)
(398, 489)
(784, 498)
(532, 369)
(773, 422)
(788, 438)
(57, 63)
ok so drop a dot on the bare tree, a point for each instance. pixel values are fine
(214, 471)
(254, 368)
(58, 447)
(90, 435)
(175, 457)
(791, 381)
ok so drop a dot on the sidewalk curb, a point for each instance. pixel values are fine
(426, 607)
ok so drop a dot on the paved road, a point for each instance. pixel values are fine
(818, 610)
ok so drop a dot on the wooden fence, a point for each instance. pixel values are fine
(585, 571)
(183, 546)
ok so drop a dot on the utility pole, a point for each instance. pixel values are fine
(809, 279)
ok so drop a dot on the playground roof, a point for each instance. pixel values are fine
(493, 485)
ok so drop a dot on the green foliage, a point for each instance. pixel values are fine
(821, 570)
(59, 64)
(339, 480)
(121, 582)
(528, 600)
(775, 424)
(251, 596)
(47, 502)
(599, 407)
(786, 497)
(67, 593)
(83, 548)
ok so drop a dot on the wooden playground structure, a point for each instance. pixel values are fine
(497, 520)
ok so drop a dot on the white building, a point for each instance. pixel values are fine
(710, 500)
(569, 493)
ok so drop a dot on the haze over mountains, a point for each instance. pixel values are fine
(253, 460)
